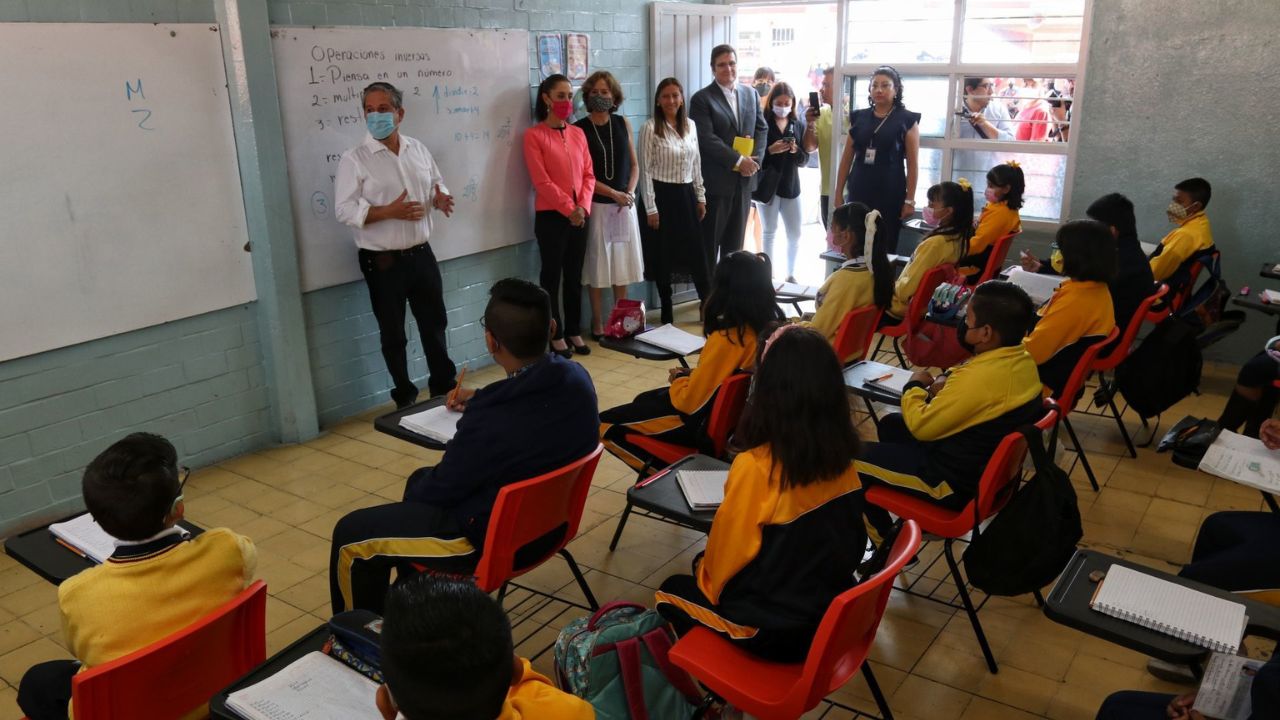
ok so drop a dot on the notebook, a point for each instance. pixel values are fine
(1225, 688)
(1244, 460)
(314, 687)
(1270, 296)
(439, 423)
(744, 145)
(1172, 609)
(894, 384)
(703, 489)
(1039, 287)
(790, 289)
(669, 337)
(86, 535)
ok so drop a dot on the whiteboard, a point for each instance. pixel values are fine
(466, 96)
(120, 204)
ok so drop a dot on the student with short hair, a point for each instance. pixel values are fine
(447, 655)
(781, 547)
(1191, 236)
(950, 211)
(1080, 313)
(866, 278)
(541, 417)
(158, 581)
(1000, 217)
(738, 310)
(1133, 281)
(937, 448)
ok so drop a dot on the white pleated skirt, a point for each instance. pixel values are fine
(613, 247)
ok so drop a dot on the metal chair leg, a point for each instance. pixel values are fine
(1084, 459)
(622, 522)
(879, 344)
(502, 593)
(874, 686)
(897, 350)
(1124, 431)
(582, 581)
(968, 607)
(1039, 598)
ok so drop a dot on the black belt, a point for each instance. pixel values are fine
(407, 251)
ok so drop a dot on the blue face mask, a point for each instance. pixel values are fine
(380, 124)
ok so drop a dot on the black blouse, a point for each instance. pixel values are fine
(610, 147)
(788, 164)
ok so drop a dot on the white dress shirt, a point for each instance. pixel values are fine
(669, 159)
(369, 174)
(731, 95)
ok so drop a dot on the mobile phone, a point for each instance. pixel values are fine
(814, 102)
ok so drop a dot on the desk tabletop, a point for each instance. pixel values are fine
(1254, 303)
(1068, 604)
(390, 424)
(662, 496)
(310, 642)
(641, 350)
(45, 556)
(1270, 270)
(860, 372)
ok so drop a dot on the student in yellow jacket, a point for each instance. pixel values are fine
(939, 445)
(447, 653)
(950, 210)
(1191, 236)
(866, 278)
(1080, 313)
(1005, 186)
(740, 306)
(782, 546)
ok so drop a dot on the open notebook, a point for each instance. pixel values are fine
(1225, 688)
(669, 337)
(314, 687)
(1244, 460)
(703, 489)
(83, 533)
(894, 384)
(791, 289)
(1039, 287)
(439, 423)
(1172, 609)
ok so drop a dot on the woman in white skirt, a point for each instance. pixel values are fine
(613, 232)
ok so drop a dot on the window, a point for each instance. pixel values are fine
(783, 36)
(993, 80)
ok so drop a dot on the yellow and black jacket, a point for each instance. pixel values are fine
(848, 288)
(1078, 315)
(996, 221)
(723, 355)
(933, 251)
(533, 696)
(984, 399)
(1192, 237)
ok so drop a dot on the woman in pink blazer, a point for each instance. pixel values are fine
(563, 181)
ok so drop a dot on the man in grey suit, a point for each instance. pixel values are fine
(723, 111)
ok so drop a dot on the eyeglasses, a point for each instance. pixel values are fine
(182, 483)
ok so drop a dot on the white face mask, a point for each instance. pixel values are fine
(782, 110)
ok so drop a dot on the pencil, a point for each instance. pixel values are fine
(454, 395)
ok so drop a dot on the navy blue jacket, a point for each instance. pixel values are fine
(541, 419)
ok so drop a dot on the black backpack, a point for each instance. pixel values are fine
(1163, 369)
(1026, 546)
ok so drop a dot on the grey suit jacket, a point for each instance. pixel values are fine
(717, 127)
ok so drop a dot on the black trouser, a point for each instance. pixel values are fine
(1237, 550)
(563, 248)
(44, 692)
(679, 242)
(395, 277)
(724, 226)
(369, 543)
(825, 203)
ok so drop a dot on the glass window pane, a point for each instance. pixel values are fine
(1022, 31)
(1024, 109)
(1045, 175)
(930, 167)
(926, 95)
(895, 31)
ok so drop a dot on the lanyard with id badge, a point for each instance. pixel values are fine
(869, 155)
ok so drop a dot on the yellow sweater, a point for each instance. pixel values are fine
(533, 697)
(978, 390)
(848, 288)
(996, 221)
(1076, 310)
(933, 251)
(720, 357)
(1192, 236)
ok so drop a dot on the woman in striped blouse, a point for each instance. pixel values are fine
(674, 198)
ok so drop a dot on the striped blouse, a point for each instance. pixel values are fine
(669, 159)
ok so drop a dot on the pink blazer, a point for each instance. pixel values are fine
(559, 167)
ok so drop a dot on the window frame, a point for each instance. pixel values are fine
(955, 70)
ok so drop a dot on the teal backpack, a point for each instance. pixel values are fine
(617, 660)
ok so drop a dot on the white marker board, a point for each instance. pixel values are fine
(120, 204)
(466, 96)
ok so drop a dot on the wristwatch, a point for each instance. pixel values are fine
(912, 203)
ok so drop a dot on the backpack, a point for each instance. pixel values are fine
(1163, 369)
(1029, 542)
(617, 660)
(933, 343)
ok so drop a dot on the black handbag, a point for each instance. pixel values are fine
(767, 185)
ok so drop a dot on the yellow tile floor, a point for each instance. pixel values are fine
(926, 658)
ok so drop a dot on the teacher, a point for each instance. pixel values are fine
(385, 188)
(883, 138)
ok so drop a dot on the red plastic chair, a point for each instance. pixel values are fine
(995, 261)
(178, 674)
(999, 480)
(1117, 355)
(778, 691)
(731, 398)
(853, 337)
(1071, 392)
(916, 309)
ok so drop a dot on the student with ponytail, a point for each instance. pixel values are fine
(950, 211)
(866, 278)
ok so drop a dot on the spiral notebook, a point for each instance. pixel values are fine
(703, 489)
(1172, 609)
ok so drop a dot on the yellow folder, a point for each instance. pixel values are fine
(744, 145)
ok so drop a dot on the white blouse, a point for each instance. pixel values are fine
(669, 159)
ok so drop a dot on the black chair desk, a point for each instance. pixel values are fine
(641, 350)
(1254, 303)
(1269, 271)
(39, 551)
(389, 424)
(1068, 604)
(312, 641)
(660, 498)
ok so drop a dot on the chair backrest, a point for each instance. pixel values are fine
(854, 334)
(848, 628)
(1075, 382)
(725, 411)
(1198, 262)
(546, 509)
(1112, 360)
(179, 673)
(933, 277)
(995, 261)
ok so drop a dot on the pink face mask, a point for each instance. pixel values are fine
(562, 109)
(991, 195)
(930, 217)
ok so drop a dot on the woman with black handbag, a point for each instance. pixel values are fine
(778, 188)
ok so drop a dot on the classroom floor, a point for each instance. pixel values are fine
(926, 658)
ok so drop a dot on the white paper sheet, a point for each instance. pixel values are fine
(438, 423)
(1244, 460)
(315, 687)
(1224, 690)
(669, 337)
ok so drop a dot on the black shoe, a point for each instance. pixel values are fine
(566, 353)
(597, 336)
(582, 349)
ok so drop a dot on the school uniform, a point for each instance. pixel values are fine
(1079, 314)
(933, 251)
(775, 559)
(1238, 551)
(533, 697)
(1264, 697)
(678, 414)
(541, 418)
(1133, 282)
(143, 593)
(938, 447)
(996, 221)
(848, 288)
(1192, 237)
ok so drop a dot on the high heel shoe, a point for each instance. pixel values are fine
(565, 352)
(582, 349)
